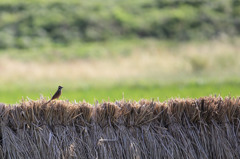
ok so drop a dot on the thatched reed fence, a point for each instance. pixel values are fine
(205, 128)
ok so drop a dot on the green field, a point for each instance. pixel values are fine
(136, 92)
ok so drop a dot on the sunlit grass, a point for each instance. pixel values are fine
(128, 92)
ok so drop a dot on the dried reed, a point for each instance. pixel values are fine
(201, 128)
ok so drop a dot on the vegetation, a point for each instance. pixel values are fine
(12, 93)
(144, 49)
(35, 23)
(150, 51)
(189, 129)
(136, 68)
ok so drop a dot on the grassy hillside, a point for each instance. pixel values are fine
(27, 24)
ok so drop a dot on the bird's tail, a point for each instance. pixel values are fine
(48, 101)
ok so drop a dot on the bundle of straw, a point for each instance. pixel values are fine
(201, 128)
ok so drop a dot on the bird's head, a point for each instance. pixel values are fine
(60, 87)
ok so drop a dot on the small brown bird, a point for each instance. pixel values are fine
(57, 94)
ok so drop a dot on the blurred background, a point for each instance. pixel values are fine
(112, 49)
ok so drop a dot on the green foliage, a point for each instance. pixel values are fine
(35, 23)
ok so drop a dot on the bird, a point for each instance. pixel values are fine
(57, 94)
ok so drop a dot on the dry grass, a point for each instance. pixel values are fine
(202, 128)
(150, 59)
